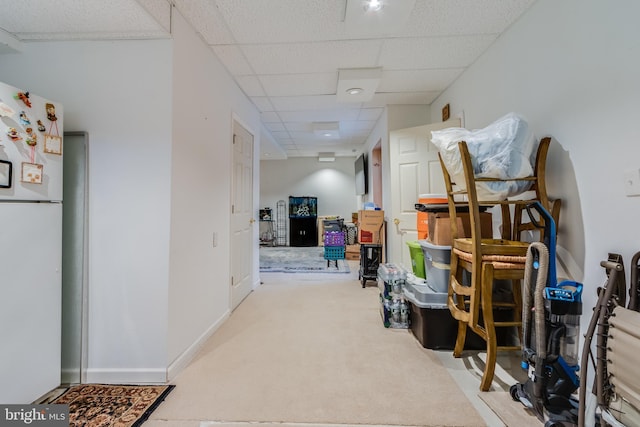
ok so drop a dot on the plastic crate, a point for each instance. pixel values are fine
(417, 259)
(334, 252)
(334, 238)
(436, 265)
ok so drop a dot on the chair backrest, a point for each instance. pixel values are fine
(511, 210)
(623, 347)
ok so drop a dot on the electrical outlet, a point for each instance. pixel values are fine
(632, 182)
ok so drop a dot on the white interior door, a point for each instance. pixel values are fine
(241, 215)
(415, 169)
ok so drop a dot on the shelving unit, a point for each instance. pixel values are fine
(267, 235)
(281, 223)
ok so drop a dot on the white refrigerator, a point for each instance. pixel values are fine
(31, 130)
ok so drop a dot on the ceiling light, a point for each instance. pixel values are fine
(357, 84)
(326, 157)
(326, 130)
(372, 5)
(366, 22)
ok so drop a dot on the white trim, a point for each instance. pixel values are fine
(127, 376)
(183, 360)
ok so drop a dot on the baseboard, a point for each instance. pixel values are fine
(190, 353)
(127, 376)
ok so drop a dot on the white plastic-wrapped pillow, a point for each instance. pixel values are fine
(505, 149)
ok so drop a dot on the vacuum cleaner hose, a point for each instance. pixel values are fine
(537, 259)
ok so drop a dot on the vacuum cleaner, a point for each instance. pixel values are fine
(550, 332)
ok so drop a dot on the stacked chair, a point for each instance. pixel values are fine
(476, 262)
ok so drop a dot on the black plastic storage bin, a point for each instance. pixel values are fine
(435, 328)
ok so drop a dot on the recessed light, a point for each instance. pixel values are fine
(355, 90)
(372, 5)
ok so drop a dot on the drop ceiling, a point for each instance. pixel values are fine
(286, 55)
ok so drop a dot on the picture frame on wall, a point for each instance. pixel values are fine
(31, 173)
(445, 113)
(52, 144)
(6, 173)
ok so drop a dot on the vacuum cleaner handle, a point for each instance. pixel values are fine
(549, 237)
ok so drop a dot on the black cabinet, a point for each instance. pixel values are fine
(303, 231)
(303, 217)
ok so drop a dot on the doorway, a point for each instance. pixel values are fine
(74, 259)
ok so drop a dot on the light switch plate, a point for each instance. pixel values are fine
(632, 182)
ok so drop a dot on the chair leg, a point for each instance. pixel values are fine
(460, 339)
(489, 327)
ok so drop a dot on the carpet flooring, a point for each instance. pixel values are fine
(316, 354)
(98, 405)
(286, 259)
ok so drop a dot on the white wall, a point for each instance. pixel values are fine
(204, 100)
(332, 183)
(107, 89)
(571, 69)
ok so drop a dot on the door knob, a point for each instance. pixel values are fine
(396, 221)
(251, 221)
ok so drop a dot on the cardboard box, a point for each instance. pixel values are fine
(352, 252)
(353, 248)
(352, 256)
(370, 226)
(440, 227)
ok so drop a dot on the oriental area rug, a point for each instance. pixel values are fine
(96, 405)
(287, 259)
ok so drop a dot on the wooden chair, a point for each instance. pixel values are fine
(485, 260)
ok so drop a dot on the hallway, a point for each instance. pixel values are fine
(310, 349)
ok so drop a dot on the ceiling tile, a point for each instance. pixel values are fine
(290, 103)
(463, 17)
(284, 21)
(434, 52)
(406, 98)
(160, 10)
(353, 125)
(204, 16)
(321, 57)
(250, 85)
(262, 103)
(370, 113)
(299, 84)
(274, 127)
(418, 80)
(318, 115)
(71, 19)
(306, 126)
(270, 117)
(280, 134)
(233, 59)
